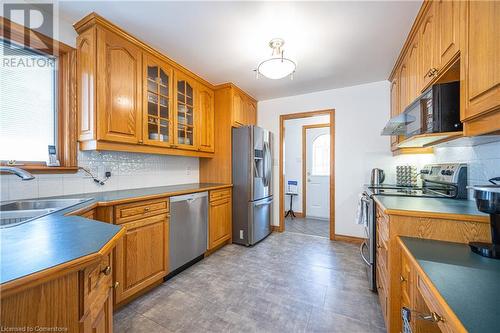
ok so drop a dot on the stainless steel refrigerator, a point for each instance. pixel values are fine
(252, 184)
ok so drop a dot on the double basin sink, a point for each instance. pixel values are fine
(17, 212)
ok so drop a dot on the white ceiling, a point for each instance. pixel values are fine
(335, 44)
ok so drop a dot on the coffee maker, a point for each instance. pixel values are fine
(488, 201)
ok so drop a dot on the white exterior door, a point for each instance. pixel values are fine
(318, 172)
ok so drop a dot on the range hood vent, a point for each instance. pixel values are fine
(397, 125)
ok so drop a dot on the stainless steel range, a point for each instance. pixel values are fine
(445, 180)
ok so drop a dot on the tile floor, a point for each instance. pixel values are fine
(287, 283)
(308, 226)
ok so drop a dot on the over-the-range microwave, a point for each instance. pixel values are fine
(436, 110)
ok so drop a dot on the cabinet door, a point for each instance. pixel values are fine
(482, 58)
(86, 80)
(103, 322)
(185, 112)
(414, 72)
(394, 109)
(448, 15)
(238, 110)
(404, 99)
(157, 109)
(429, 43)
(206, 119)
(119, 90)
(219, 222)
(250, 113)
(141, 255)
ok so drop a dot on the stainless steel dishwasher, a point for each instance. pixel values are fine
(188, 230)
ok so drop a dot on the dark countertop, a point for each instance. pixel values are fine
(469, 283)
(56, 239)
(431, 207)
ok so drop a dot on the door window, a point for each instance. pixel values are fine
(321, 155)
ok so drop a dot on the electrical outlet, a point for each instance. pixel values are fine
(107, 174)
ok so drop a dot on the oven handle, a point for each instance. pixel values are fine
(363, 245)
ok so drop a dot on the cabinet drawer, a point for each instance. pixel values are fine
(96, 280)
(219, 194)
(382, 293)
(382, 221)
(434, 307)
(138, 210)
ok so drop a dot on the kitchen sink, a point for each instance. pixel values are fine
(17, 212)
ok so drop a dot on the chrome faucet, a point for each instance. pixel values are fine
(23, 174)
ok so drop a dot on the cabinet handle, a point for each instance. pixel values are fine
(106, 270)
(146, 209)
(433, 71)
(401, 278)
(433, 317)
(141, 142)
(115, 285)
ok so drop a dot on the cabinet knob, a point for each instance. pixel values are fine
(107, 270)
(146, 209)
(141, 142)
(115, 285)
(401, 278)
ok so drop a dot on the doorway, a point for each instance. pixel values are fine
(310, 149)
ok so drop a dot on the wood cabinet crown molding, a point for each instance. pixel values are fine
(93, 18)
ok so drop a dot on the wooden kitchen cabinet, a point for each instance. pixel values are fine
(232, 108)
(480, 68)
(119, 88)
(448, 29)
(141, 257)
(185, 112)
(429, 42)
(132, 98)
(219, 220)
(206, 111)
(157, 102)
(393, 277)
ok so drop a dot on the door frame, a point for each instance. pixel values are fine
(304, 162)
(283, 117)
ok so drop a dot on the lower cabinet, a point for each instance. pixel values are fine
(141, 256)
(78, 301)
(219, 219)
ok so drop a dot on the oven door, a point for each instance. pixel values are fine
(367, 248)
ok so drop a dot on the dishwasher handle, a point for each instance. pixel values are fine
(189, 197)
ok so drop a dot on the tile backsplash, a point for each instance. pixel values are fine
(483, 161)
(128, 170)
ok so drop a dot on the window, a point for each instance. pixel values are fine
(28, 113)
(321, 155)
(37, 100)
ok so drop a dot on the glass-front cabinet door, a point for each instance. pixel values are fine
(185, 118)
(157, 124)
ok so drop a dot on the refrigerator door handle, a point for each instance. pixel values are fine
(268, 202)
(267, 164)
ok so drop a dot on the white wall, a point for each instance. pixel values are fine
(128, 170)
(360, 114)
(293, 154)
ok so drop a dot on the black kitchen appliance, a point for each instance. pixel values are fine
(488, 201)
(436, 110)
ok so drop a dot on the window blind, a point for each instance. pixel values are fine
(27, 103)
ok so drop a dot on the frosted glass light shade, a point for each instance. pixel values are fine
(276, 68)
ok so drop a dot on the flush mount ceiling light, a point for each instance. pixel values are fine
(276, 67)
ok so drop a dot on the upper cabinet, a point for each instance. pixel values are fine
(185, 112)
(206, 106)
(133, 98)
(119, 88)
(244, 109)
(452, 41)
(157, 104)
(481, 68)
